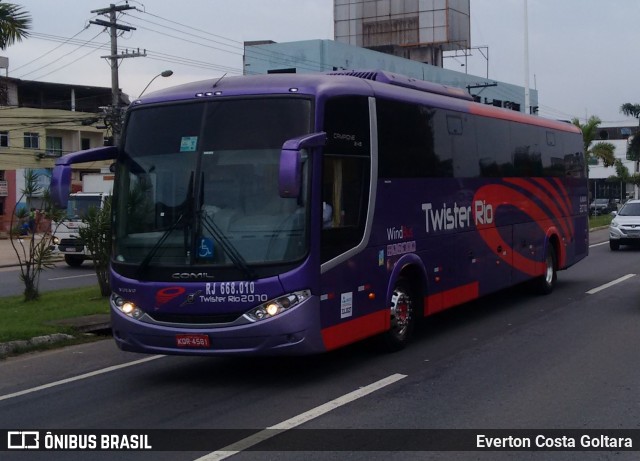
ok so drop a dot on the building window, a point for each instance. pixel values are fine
(31, 141)
(85, 143)
(4, 139)
(54, 146)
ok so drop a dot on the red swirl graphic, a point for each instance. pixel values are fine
(556, 202)
(167, 294)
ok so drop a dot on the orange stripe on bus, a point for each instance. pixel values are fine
(446, 299)
(514, 116)
(356, 329)
(368, 325)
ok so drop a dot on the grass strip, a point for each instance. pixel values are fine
(25, 320)
(599, 221)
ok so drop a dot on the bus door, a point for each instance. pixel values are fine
(346, 180)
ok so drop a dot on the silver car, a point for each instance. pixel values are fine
(625, 226)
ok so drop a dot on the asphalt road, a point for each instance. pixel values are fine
(510, 361)
(58, 278)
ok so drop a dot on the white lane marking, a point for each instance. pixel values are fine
(610, 284)
(79, 377)
(302, 418)
(597, 244)
(73, 277)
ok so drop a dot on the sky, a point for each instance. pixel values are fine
(583, 54)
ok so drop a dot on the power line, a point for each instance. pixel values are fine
(50, 51)
(67, 65)
(82, 45)
(238, 48)
(191, 27)
(239, 45)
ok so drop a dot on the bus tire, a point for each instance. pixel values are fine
(403, 316)
(73, 260)
(547, 281)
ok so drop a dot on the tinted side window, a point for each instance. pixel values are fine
(346, 170)
(527, 149)
(573, 158)
(406, 142)
(346, 122)
(494, 152)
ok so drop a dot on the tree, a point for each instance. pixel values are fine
(600, 150)
(97, 237)
(633, 149)
(34, 251)
(630, 110)
(14, 24)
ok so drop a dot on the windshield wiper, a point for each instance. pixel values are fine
(147, 259)
(233, 253)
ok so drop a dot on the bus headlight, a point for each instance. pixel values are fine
(126, 307)
(55, 240)
(276, 306)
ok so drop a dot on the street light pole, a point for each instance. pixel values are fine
(164, 73)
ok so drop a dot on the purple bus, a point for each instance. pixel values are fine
(295, 214)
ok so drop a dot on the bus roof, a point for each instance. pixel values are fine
(366, 83)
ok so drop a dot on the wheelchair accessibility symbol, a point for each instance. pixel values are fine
(205, 248)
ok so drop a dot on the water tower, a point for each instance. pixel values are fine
(420, 30)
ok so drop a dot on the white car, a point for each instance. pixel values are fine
(625, 226)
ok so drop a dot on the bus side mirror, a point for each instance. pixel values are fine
(290, 178)
(60, 185)
(290, 174)
(61, 176)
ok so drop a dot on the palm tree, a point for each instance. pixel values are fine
(631, 110)
(14, 24)
(600, 150)
(633, 150)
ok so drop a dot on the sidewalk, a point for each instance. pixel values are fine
(8, 257)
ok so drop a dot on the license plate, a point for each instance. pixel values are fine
(69, 249)
(196, 340)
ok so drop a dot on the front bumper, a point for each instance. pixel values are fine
(625, 235)
(295, 332)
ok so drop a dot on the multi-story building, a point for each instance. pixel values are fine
(602, 181)
(39, 122)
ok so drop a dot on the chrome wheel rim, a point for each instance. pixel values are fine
(401, 312)
(548, 276)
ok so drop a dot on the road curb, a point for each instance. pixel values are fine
(19, 345)
(87, 324)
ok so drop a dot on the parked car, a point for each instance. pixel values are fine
(625, 226)
(602, 206)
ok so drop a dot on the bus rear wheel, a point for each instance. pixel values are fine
(403, 315)
(547, 281)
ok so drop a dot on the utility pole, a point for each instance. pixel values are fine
(114, 27)
(527, 95)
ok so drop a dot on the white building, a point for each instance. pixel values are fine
(600, 184)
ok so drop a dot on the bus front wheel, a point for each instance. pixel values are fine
(403, 315)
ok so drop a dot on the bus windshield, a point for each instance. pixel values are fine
(199, 185)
